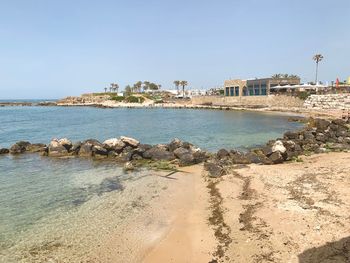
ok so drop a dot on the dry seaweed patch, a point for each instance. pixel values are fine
(216, 219)
(307, 187)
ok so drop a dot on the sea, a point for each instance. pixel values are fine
(37, 193)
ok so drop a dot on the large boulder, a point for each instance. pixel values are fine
(278, 146)
(114, 144)
(55, 149)
(158, 153)
(187, 159)
(322, 124)
(19, 147)
(86, 150)
(222, 153)
(36, 147)
(99, 151)
(65, 143)
(130, 141)
(179, 152)
(76, 147)
(175, 144)
(214, 169)
(142, 148)
(4, 150)
(93, 142)
(291, 135)
(276, 157)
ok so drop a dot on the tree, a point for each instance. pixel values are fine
(146, 85)
(177, 84)
(105, 89)
(153, 86)
(127, 90)
(159, 86)
(317, 58)
(137, 86)
(183, 83)
(116, 87)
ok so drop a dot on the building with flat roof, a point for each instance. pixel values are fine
(256, 87)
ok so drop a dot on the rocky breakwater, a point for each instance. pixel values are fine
(329, 101)
(124, 149)
(318, 136)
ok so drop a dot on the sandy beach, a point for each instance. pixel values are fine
(293, 212)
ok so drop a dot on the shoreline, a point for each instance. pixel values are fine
(296, 111)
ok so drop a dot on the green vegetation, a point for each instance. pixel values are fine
(297, 159)
(285, 76)
(302, 95)
(134, 99)
(118, 98)
(104, 94)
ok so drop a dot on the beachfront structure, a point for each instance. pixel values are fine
(256, 87)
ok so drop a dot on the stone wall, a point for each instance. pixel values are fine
(249, 101)
(329, 101)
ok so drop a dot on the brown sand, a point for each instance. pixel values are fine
(295, 212)
(189, 239)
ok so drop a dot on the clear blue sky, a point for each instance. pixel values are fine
(50, 49)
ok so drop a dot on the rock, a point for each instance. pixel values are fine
(276, 157)
(157, 154)
(55, 149)
(187, 159)
(278, 147)
(130, 141)
(308, 135)
(179, 152)
(321, 137)
(128, 166)
(339, 122)
(36, 147)
(4, 150)
(222, 153)
(322, 124)
(86, 149)
(253, 157)
(174, 144)
(200, 156)
(114, 144)
(66, 143)
(291, 135)
(76, 147)
(18, 148)
(267, 150)
(239, 158)
(99, 151)
(142, 148)
(214, 169)
(93, 142)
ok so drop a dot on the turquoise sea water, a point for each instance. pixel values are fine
(209, 129)
(33, 187)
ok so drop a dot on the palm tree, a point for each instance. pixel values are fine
(105, 89)
(317, 58)
(183, 83)
(177, 84)
(111, 87)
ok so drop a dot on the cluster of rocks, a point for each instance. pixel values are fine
(318, 136)
(123, 149)
(329, 101)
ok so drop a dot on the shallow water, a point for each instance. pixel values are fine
(37, 192)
